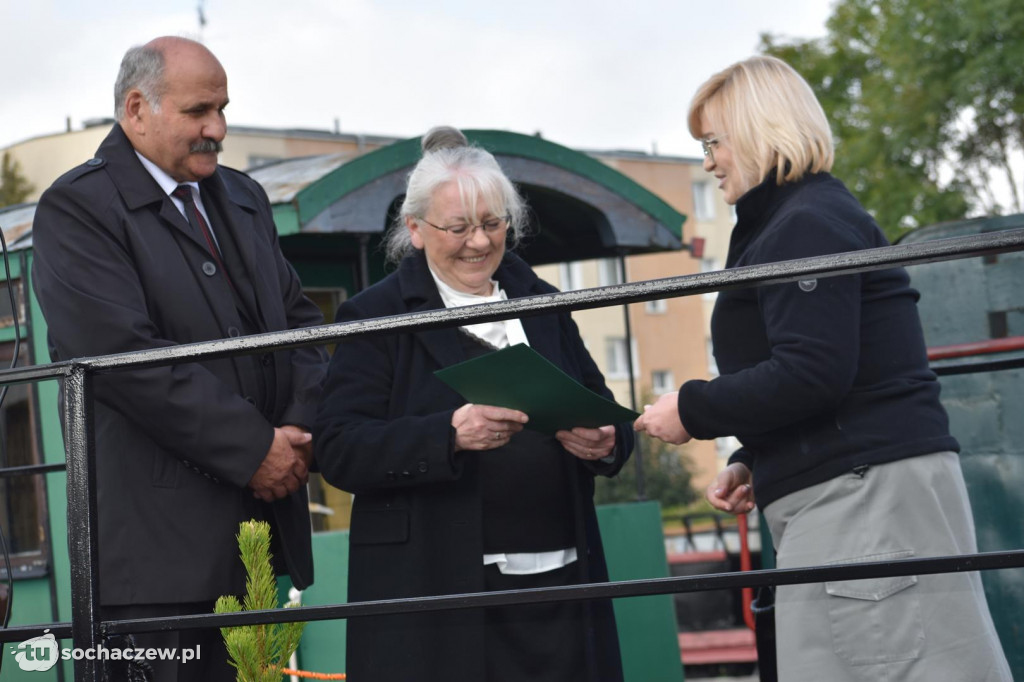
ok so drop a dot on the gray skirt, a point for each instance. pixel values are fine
(929, 627)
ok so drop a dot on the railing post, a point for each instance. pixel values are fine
(82, 522)
(638, 449)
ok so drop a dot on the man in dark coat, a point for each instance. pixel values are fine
(152, 244)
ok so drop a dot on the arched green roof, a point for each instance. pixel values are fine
(583, 208)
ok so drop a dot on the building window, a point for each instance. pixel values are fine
(709, 265)
(656, 307)
(6, 314)
(703, 200)
(608, 272)
(662, 381)
(22, 510)
(570, 276)
(726, 446)
(616, 359)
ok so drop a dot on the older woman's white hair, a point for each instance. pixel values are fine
(449, 158)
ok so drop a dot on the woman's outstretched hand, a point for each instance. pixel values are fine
(661, 420)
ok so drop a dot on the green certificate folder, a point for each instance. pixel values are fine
(520, 378)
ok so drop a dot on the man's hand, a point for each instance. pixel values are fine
(302, 443)
(285, 469)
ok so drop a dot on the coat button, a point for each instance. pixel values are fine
(94, 162)
(406, 474)
(267, 360)
(249, 399)
(423, 466)
(209, 268)
(390, 476)
(233, 332)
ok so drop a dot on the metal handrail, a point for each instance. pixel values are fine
(611, 590)
(832, 265)
(86, 628)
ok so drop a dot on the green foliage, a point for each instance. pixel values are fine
(667, 475)
(258, 652)
(926, 99)
(14, 188)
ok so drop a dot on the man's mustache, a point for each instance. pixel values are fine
(206, 146)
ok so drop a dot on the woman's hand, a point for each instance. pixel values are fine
(731, 490)
(485, 427)
(588, 444)
(661, 420)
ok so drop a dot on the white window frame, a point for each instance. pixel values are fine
(703, 200)
(570, 276)
(615, 358)
(663, 381)
(658, 306)
(608, 272)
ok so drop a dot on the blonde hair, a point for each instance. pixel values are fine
(770, 116)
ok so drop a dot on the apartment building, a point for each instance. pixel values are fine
(669, 340)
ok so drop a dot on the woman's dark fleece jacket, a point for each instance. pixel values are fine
(819, 376)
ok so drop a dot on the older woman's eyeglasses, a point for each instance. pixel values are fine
(709, 144)
(489, 226)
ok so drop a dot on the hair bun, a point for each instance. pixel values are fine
(443, 137)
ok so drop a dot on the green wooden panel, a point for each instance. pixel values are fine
(52, 449)
(994, 483)
(31, 606)
(957, 298)
(286, 219)
(322, 648)
(635, 549)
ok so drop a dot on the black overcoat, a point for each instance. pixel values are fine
(384, 433)
(117, 268)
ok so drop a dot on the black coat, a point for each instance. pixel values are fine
(117, 268)
(818, 376)
(384, 433)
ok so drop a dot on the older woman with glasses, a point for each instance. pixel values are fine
(452, 497)
(825, 382)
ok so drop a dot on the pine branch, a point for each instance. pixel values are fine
(258, 652)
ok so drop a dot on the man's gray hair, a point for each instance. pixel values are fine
(142, 69)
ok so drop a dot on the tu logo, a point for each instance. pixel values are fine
(39, 653)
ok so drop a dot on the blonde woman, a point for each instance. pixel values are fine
(825, 382)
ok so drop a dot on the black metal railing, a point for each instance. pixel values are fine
(87, 630)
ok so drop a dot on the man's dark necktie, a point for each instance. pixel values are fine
(196, 220)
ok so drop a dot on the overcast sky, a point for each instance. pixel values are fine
(588, 74)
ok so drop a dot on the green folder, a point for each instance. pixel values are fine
(520, 378)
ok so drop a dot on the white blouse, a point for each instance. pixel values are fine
(499, 335)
